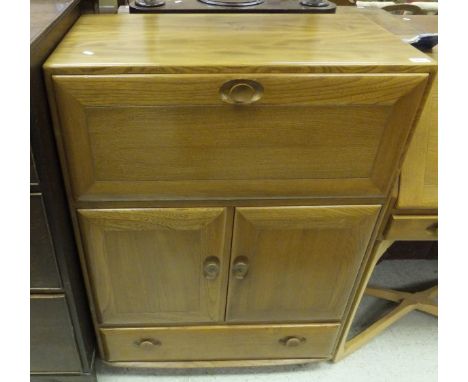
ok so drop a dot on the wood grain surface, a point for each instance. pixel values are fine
(232, 43)
(412, 227)
(219, 342)
(419, 175)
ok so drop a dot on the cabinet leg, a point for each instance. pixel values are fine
(407, 302)
(343, 349)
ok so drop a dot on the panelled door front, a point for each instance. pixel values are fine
(132, 137)
(296, 263)
(158, 265)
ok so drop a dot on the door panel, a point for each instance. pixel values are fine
(163, 265)
(136, 137)
(296, 263)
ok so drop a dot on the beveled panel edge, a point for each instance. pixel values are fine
(236, 190)
(216, 202)
(209, 85)
(287, 69)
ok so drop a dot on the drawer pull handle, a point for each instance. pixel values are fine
(292, 342)
(241, 92)
(147, 343)
(211, 268)
(241, 267)
(433, 229)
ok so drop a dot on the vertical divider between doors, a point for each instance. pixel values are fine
(232, 225)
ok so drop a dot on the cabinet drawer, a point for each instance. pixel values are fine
(412, 227)
(44, 273)
(219, 342)
(53, 346)
(136, 137)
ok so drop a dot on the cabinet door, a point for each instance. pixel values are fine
(144, 137)
(296, 263)
(150, 266)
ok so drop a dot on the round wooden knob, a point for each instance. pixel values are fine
(241, 91)
(211, 268)
(292, 342)
(148, 344)
(240, 267)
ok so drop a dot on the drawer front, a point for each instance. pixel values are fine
(53, 346)
(44, 273)
(220, 342)
(158, 265)
(171, 136)
(412, 228)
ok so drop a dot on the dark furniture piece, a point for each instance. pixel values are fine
(62, 341)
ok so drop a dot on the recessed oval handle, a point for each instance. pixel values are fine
(292, 341)
(240, 267)
(241, 92)
(211, 268)
(147, 343)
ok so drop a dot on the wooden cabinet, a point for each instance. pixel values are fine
(287, 264)
(226, 192)
(158, 265)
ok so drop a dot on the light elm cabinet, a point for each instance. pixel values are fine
(226, 193)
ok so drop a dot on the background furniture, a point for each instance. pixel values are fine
(404, 9)
(62, 342)
(229, 197)
(403, 6)
(414, 214)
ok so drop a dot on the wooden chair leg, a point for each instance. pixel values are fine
(422, 300)
(386, 294)
(429, 308)
(432, 292)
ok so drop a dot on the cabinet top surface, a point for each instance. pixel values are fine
(108, 44)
